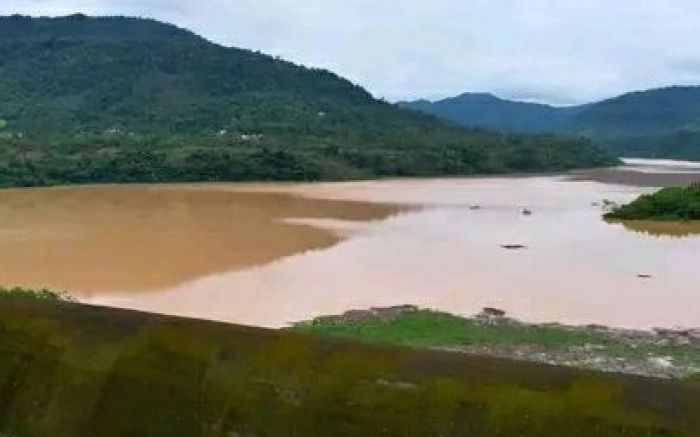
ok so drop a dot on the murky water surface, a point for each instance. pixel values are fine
(269, 254)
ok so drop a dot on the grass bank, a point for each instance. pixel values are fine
(674, 354)
(73, 370)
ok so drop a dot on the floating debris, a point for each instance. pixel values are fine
(514, 246)
(491, 312)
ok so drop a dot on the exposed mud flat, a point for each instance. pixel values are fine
(645, 173)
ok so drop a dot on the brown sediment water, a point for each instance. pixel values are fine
(662, 229)
(271, 254)
(121, 239)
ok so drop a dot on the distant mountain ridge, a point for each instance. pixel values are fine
(663, 122)
(120, 99)
(484, 110)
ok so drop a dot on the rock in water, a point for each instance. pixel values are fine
(492, 312)
(514, 246)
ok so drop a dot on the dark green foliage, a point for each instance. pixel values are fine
(682, 144)
(25, 293)
(660, 123)
(668, 204)
(68, 370)
(130, 100)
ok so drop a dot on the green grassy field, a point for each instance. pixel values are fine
(432, 329)
(73, 370)
(429, 329)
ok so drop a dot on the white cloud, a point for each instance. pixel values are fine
(562, 51)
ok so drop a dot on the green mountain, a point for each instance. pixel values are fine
(483, 110)
(124, 99)
(662, 122)
(655, 111)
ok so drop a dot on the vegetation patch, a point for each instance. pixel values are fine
(424, 328)
(663, 353)
(68, 370)
(668, 204)
(25, 293)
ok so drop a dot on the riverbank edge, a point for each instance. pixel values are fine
(72, 369)
(660, 353)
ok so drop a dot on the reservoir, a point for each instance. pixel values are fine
(274, 253)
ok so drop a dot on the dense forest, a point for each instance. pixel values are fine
(675, 203)
(660, 123)
(132, 100)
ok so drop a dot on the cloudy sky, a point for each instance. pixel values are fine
(555, 51)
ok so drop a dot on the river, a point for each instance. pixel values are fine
(271, 254)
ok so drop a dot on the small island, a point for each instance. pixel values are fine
(668, 204)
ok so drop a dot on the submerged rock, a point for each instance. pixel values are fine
(492, 312)
(514, 246)
(678, 337)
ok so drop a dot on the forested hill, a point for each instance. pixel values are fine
(80, 74)
(650, 112)
(662, 122)
(483, 110)
(131, 100)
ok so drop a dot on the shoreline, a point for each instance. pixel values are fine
(661, 352)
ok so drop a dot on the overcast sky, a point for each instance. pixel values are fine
(555, 51)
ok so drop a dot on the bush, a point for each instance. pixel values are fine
(25, 293)
(668, 204)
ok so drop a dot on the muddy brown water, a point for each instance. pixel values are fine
(125, 239)
(270, 254)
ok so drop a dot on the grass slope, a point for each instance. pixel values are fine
(71, 370)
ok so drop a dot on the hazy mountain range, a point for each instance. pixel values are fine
(662, 122)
